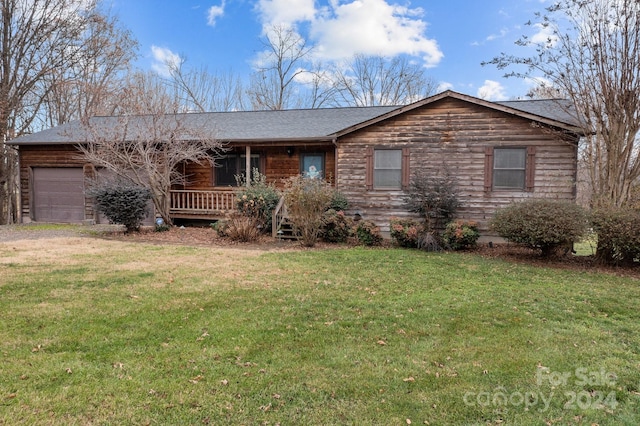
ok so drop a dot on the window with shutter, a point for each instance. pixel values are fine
(509, 168)
(387, 168)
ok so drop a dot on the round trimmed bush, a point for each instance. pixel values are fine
(406, 232)
(460, 234)
(618, 231)
(541, 224)
(336, 226)
(368, 233)
(122, 202)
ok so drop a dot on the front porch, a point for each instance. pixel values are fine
(218, 204)
(202, 204)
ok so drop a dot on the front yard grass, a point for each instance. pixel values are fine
(106, 332)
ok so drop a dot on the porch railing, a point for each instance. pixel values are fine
(277, 217)
(193, 203)
(202, 202)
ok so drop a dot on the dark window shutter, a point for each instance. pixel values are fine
(406, 172)
(368, 181)
(488, 168)
(530, 172)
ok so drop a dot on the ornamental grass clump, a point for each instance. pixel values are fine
(541, 224)
(240, 228)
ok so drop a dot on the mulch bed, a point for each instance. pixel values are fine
(206, 236)
(203, 236)
(522, 255)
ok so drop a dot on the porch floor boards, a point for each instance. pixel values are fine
(199, 215)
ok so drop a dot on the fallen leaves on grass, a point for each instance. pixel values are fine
(196, 379)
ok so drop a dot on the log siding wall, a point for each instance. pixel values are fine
(448, 133)
(455, 134)
(277, 165)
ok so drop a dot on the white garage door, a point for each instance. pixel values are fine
(58, 194)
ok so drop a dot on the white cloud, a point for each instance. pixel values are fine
(214, 13)
(343, 28)
(374, 27)
(538, 81)
(503, 32)
(544, 35)
(164, 59)
(492, 91)
(285, 12)
(444, 86)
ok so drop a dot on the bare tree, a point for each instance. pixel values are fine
(377, 80)
(286, 77)
(147, 141)
(88, 87)
(317, 87)
(202, 91)
(273, 85)
(38, 38)
(591, 52)
(544, 90)
(143, 93)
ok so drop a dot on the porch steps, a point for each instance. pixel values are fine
(285, 230)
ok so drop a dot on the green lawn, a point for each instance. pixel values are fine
(105, 332)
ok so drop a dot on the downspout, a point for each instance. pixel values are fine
(248, 165)
(335, 162)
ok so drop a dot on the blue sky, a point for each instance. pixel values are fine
(448, 37)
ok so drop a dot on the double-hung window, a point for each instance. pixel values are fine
(509, 168)
(387, 168)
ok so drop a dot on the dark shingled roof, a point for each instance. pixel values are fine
(287, 125)
(303, 124)
(561, 110)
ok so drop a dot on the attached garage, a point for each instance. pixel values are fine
(58, 194)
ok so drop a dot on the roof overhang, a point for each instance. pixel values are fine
(259, 142)
(477, 101)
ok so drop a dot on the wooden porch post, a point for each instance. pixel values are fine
(248, 164)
